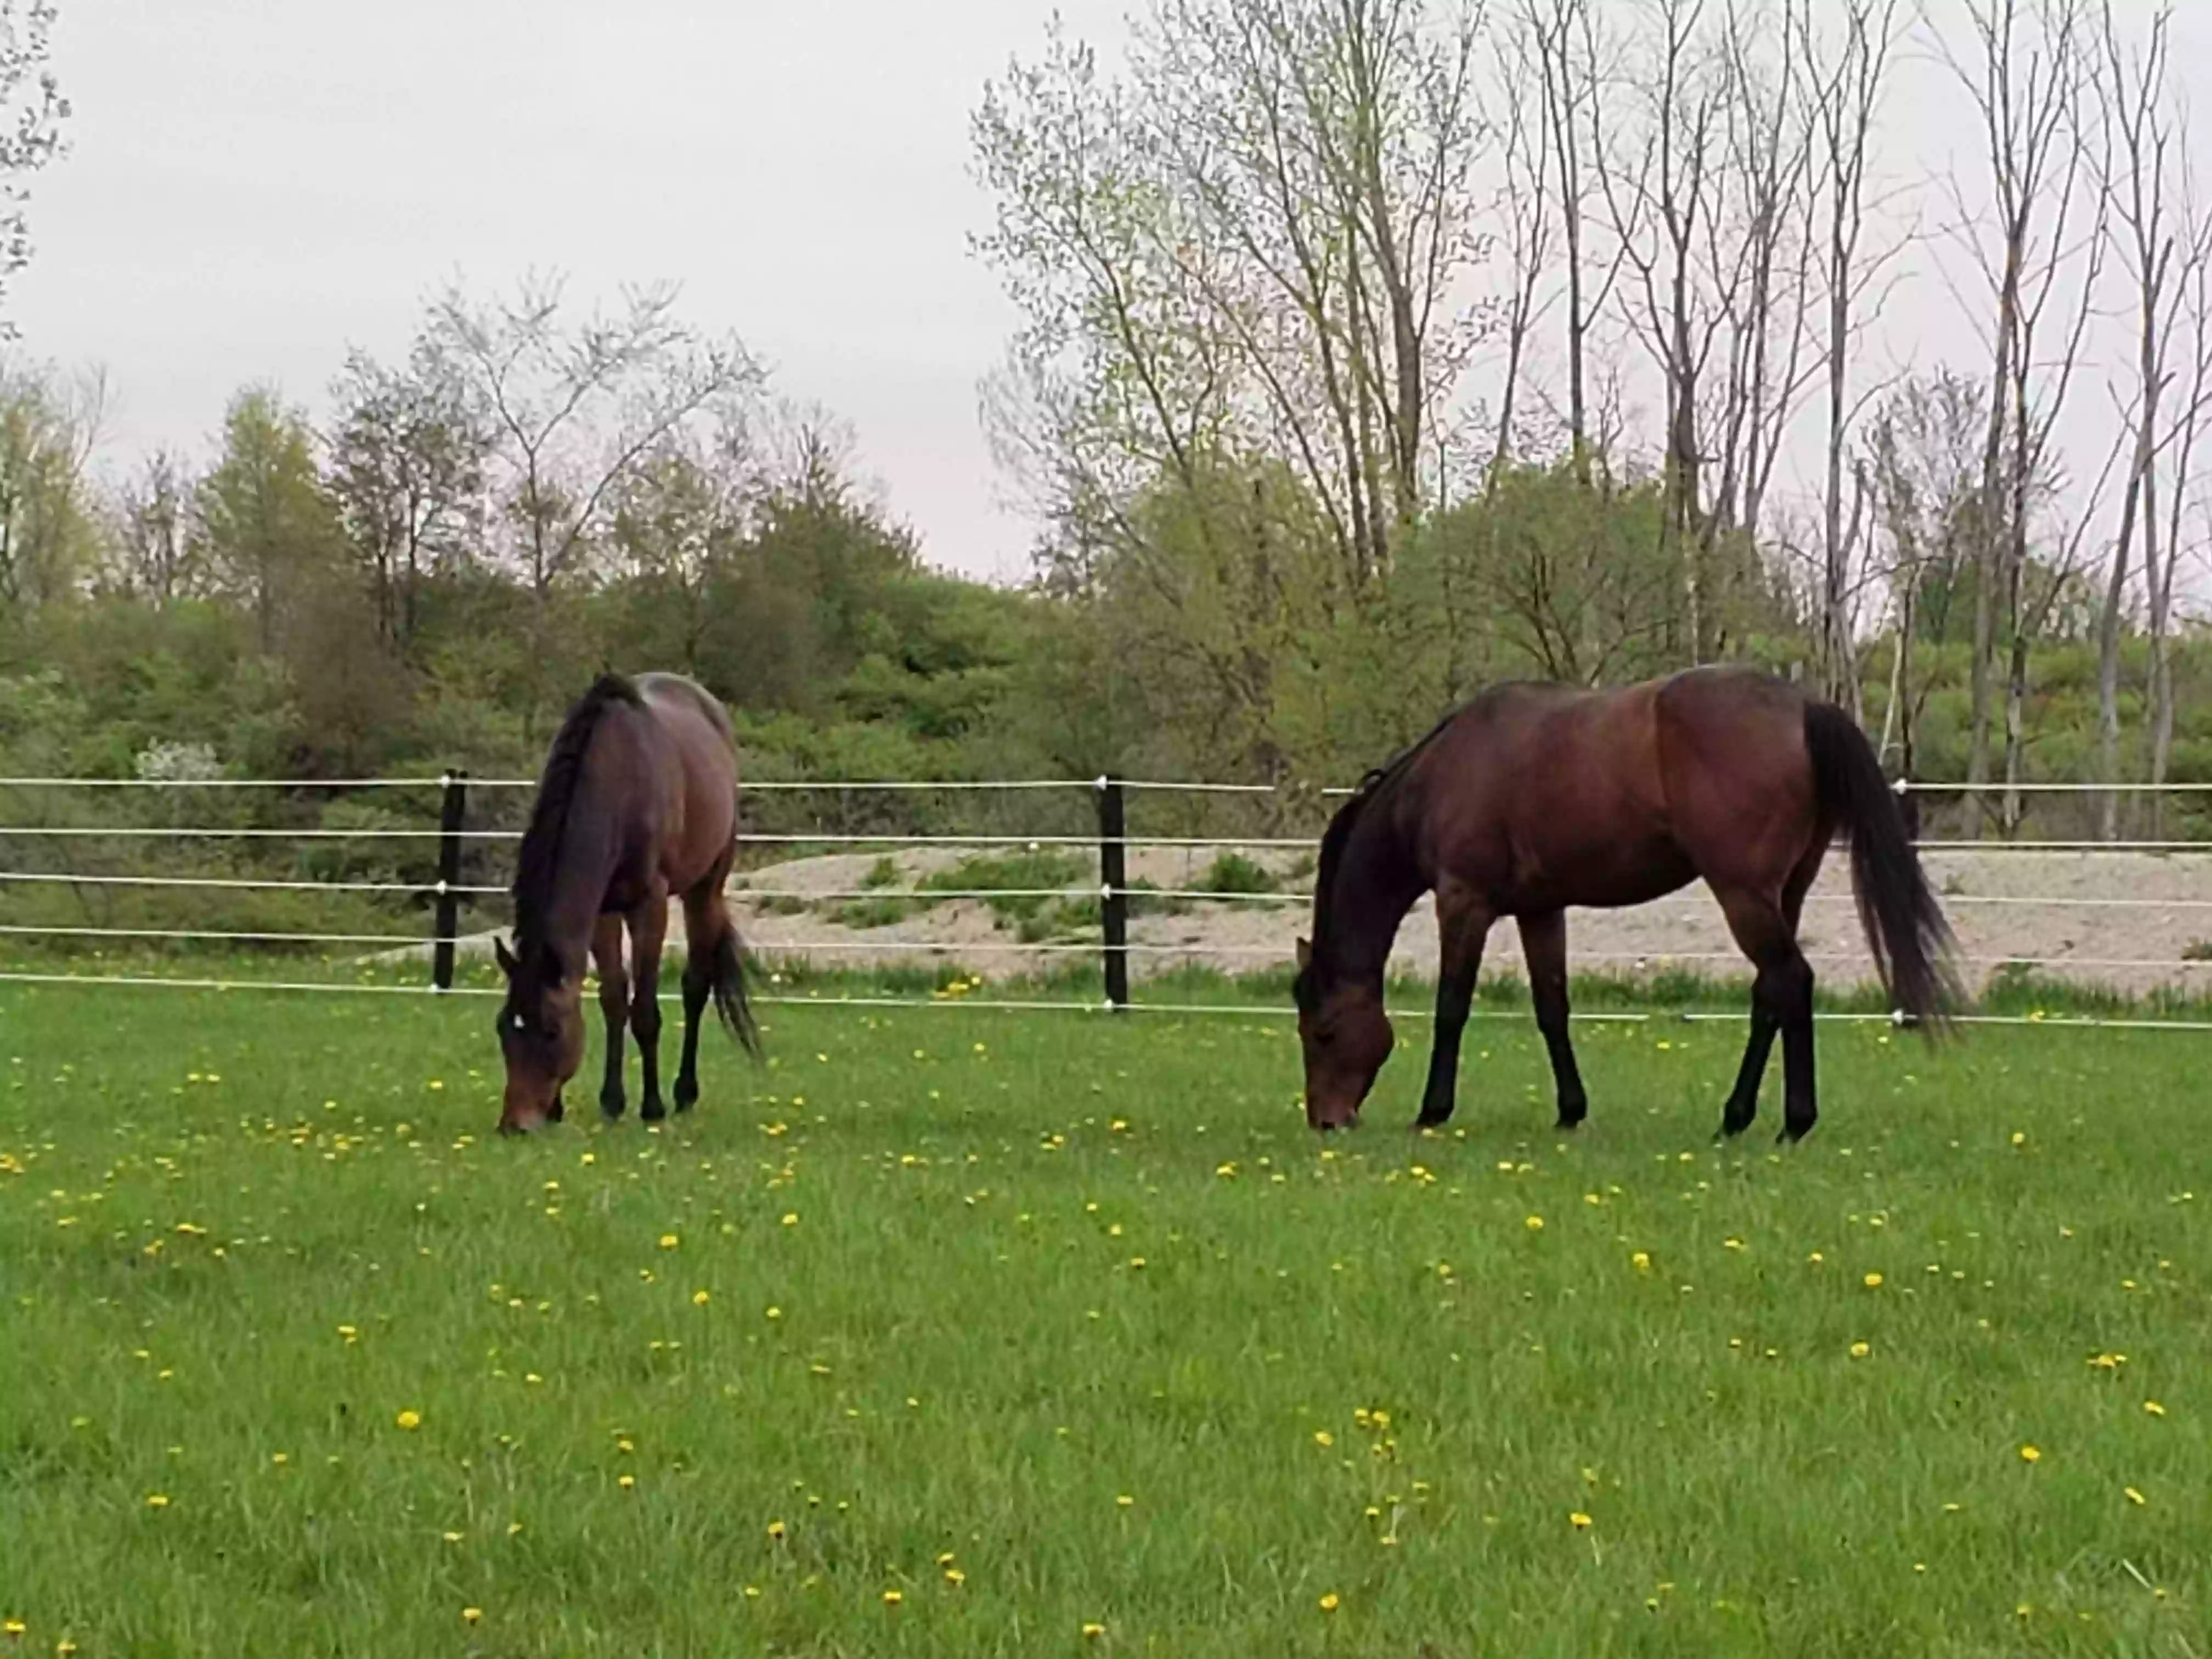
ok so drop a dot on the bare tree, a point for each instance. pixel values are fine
(407, 457)
(2024, 77)
(2193, 301)
(1562, 35)
(1248, 246)
(574, 405)
(1525, 140)
(1845, 91)
(152, 553)
(1662, 178)
(2133, 99)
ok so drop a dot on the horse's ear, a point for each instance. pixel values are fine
(1305, 954)
(506, 963)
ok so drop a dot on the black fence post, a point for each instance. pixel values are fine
(1114, 889)
(453, 813)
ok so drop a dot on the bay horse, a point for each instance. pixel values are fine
(1535, 797)
(638, 801)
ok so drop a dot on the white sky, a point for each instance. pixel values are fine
(255, 185)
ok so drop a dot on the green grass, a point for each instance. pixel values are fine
(1038, 1264)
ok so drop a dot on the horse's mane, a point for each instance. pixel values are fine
(1338, 835)
(540, 857)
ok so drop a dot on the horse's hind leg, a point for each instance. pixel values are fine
(1544, 947)
(649, 931)
(1781, 1001)
(706, 923)
(1463, 921)
(614, 1003)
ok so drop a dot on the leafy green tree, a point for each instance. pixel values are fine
(49, 533)
(407, 472)
(265, 527)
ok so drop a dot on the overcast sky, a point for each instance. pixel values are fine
(255, 185)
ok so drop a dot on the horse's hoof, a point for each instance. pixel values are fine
(1568, 1125)
(652, 1112)
(1792, 1133)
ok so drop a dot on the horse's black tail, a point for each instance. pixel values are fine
(1904, 925)
(726, 979)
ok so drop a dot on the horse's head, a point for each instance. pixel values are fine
(541, 1033)
(1346, 1036)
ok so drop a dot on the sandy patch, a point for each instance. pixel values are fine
(2001, 905)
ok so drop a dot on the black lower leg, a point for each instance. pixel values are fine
(1743, 1100)
(645, 1026)
(696, 989)
(1800, 1107)
(614, 1003)
(1439, 1097)
(1552, 1021)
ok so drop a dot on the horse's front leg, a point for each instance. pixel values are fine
(1544, 946)
(1463, 923)
(614, 1005)
(648, 929)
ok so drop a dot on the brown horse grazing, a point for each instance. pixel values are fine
(1532, 798)
(639, 801)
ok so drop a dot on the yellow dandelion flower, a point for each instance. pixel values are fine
(1860, 1350)
(1641, 1260)
(1873, 1281)
(1092, 1630)
(774, 1313)
(471, 1615)
(892, 1598)
(2135, 1496)
(954, 1577)
(157, 1500)
(791, 1218)
(1534, 1224)
(1124, 1501)
(669, 1241)
(1330, 1602)
(409, 1418)
(2031, 1454)
(1323, 1438)
(12, 1628)
(626, 1482)
(2153, 1408)
(1578, 1520)
(775, 1529)
(700, 1298)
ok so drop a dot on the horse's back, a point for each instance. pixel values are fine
(1562, 794)
(699, 748)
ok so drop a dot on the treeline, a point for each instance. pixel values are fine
(1372, 350)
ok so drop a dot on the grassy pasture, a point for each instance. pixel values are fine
(963, 1331)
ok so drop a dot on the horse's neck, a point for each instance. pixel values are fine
(589, 853)
(1376, 884)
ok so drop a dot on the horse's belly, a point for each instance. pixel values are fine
(1610, 878)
